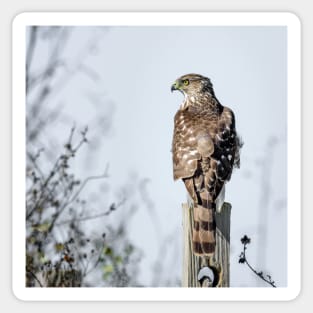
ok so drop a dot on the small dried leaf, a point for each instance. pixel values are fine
(41, 227)
(108, 268)
(59, 247)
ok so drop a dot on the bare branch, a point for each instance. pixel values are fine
(112, 208)
(245, 240)
(34, 277)
(30, 52)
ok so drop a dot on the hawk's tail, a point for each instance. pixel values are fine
(203, 235)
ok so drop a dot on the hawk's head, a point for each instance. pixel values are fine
(193, 85)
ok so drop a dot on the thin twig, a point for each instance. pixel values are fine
(245, 240)
(35, 277)
(97, 261)
(30, 53)
(112, 208)
(85, 182)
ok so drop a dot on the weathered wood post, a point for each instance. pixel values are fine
(219, 263)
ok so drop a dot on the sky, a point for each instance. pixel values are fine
(129, 74)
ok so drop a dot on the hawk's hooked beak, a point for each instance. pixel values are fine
(175, 86)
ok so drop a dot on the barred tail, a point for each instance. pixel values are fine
(203, 234)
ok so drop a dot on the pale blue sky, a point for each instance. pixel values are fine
(136, 67)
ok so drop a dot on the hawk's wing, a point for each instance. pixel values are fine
(225, 145)
(205, 149)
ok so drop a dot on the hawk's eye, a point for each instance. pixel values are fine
(186, 82)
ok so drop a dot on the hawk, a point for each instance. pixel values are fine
(205, 149)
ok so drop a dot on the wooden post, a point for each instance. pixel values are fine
(219, 263)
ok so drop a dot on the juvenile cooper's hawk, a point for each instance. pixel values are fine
(205, 150)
